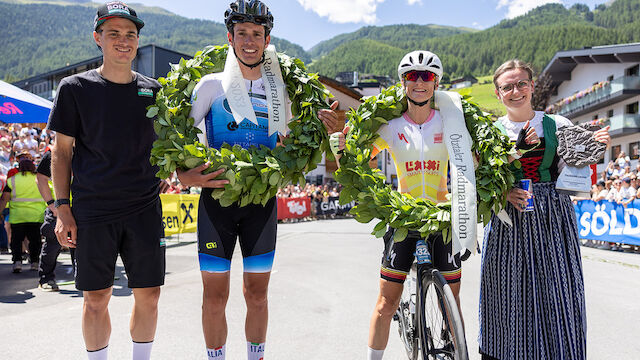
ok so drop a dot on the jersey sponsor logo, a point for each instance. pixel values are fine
(145, 92)
(232, 125)
(9, 108)
(402, 137)
(211, 245)
(427, 165)
(437, 138)
(245, 125)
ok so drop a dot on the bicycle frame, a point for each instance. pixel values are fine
(418, 333)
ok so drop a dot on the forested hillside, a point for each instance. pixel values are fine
(393, 35)
(534, 37)
(40, 37)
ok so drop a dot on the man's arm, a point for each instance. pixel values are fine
(61, 156)
(43, 186)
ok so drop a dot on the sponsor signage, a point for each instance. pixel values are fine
(607, 221)
(332, 207)
(179, 213)
(294, 208)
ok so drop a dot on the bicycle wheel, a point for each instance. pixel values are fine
(439, 322)
(406, 316)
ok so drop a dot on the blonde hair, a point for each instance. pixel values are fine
(512, 65)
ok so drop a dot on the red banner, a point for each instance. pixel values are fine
(294, 208)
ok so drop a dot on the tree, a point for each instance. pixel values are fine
(541, 92)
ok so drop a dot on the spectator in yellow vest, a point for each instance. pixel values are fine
(26, 213)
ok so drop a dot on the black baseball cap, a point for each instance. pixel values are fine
(115, 9)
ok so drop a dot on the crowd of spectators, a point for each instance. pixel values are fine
(618, 183)
(315, 192)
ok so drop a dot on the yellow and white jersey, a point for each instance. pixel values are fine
(419, 154)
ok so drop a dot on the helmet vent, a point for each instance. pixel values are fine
(420, 57)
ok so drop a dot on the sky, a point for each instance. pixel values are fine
(308, 22)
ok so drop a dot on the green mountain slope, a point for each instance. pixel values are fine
(390, 35)
(368, 56)
(39, 37)
(534, 37)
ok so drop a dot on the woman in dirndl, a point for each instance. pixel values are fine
(532, 303)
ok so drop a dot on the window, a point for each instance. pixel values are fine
(610, 78)
(634, 150)
(615, 151)
(610, 113)
(633, 71)
(632, 108)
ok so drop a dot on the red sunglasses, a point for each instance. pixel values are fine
(426, 76)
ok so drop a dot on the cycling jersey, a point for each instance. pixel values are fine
(212, 114)
(219, 227)
(419, 154)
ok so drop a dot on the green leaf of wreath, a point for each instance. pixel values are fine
(178, 146)
(376, 200)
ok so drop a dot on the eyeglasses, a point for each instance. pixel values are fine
(521, 85)
(426, 76)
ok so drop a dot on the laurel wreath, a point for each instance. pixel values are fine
(375, 200)
(256, 173)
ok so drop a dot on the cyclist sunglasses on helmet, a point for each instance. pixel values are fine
(415, 74)
(256, 19)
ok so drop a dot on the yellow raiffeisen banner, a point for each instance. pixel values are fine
(179, 213)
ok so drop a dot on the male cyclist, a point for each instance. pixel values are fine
(237, 119)
(417, 145)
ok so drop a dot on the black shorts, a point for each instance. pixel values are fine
(137, 239)
(398, 257)
(218, 228)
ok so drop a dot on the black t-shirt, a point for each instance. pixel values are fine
(44, 167)
(112, 175)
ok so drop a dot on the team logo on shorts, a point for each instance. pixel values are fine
(211, 245)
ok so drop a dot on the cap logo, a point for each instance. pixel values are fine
(116, 8)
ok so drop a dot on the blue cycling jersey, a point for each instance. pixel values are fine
(210, 104)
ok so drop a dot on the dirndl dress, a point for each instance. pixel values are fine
(532, 302)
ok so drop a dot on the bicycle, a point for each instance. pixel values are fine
(429, 323)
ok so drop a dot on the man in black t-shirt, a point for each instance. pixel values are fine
(105, 138)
